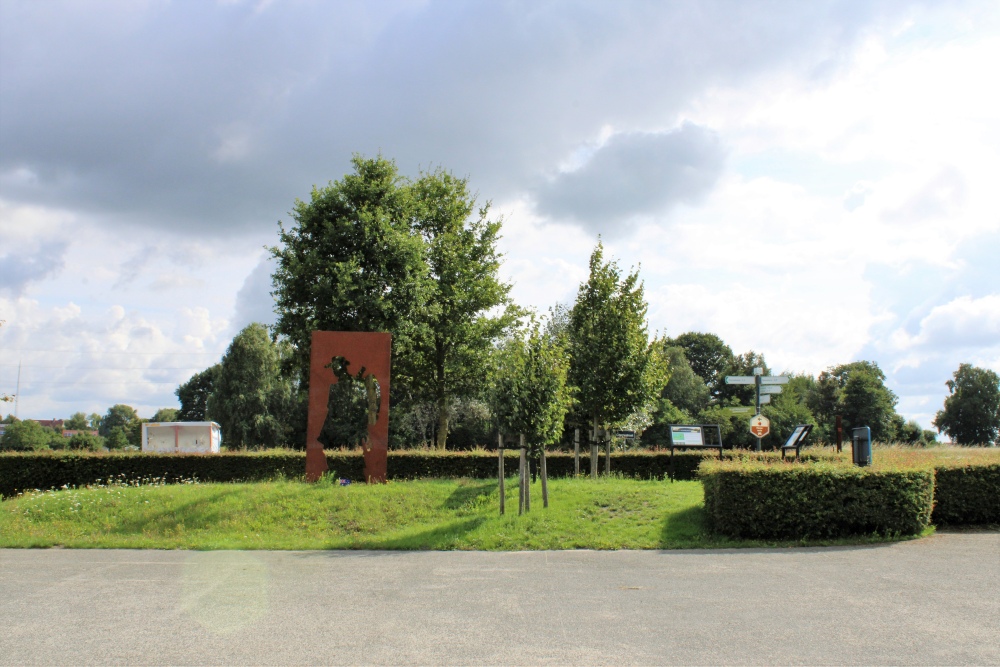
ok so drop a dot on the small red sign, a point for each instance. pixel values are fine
(760, 426)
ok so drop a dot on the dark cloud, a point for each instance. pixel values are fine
(20, 266)
(211, 118)
(254, 302)
(635, 174)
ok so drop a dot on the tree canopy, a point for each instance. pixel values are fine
(251, 398)
(971, 413)
(193, 395)
(612, 362)
(530, 393)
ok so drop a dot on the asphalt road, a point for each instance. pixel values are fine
(934, 601)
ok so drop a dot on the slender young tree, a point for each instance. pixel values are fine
(612, 361)
(466, 306)
(530, 393)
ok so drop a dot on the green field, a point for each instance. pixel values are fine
(609, 513)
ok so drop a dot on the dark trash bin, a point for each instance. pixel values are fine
(861, 446)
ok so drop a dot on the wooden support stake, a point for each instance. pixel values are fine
(503, 491)
(607, 457)
(520, 503)
(576, 452)
(545, 481)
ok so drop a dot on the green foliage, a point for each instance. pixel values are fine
(967, 493)
(347, 408)
(250, 399)
(77, 422)
(165, 415)
(193, 395)
(116, 439)
(971, 413)
(770, 500)
(709, 356)
(685, 389)
(466, 307)
(786, 411)
(612, 362)
(122, 417)
(26, 435)
(351, 262)
(52, 470)
(742, 364)
(85, 442)
(530, 394)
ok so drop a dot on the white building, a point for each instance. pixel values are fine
(181, 437)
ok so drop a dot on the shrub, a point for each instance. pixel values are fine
(50, 470)
(24, 436)
(85, 442)
(967, 493)
(773, 500)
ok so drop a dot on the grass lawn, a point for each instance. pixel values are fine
(610, 513)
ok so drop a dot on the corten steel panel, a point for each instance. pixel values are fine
(370, 350)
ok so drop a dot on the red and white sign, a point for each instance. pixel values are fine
(760, 426)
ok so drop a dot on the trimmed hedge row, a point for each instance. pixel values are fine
(51, 470)
(756, 500)
(967, 494)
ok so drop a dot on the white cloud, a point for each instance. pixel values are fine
(965, 322)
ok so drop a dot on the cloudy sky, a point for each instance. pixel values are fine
(816, 181)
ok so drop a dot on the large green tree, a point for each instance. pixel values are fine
(193, 395)
(710, 358)
(251, 399)
(971, 414)
(612, 361)
(351, 262)
(77, 422)
(865, 400)
(124, 418)
(466, 306)
(26, 435)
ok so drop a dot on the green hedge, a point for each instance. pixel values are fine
(967, 494)
(758, 500)
(52, 470)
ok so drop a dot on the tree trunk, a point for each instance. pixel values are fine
(503, 491)
(520, 479)
(593, 450)
(576, 452)
(545, 481)
(442, 430)
(527, 477)
(607, 457)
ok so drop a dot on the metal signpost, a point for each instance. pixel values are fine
(765, 386)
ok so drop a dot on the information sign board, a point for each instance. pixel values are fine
(628, 435)
(774, 379)
(760, 426)
(686, 435)
(765, 399)
(740, 379)
(770, 389)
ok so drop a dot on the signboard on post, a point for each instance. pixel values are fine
(760, 426)
(686, 435)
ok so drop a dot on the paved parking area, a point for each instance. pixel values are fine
(929, 602)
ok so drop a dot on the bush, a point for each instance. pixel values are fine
(760, 499)
(52, 470)
(85, 442)
(25, 436)
(967, 494)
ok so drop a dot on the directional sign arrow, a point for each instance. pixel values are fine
(774, 379)
(770, 390)
(740, 379)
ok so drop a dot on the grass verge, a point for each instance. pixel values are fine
(610, 513)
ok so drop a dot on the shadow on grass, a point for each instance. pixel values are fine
(438, 538)
(196, 514)
(467, 493)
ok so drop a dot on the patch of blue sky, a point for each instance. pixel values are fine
(811, 171)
